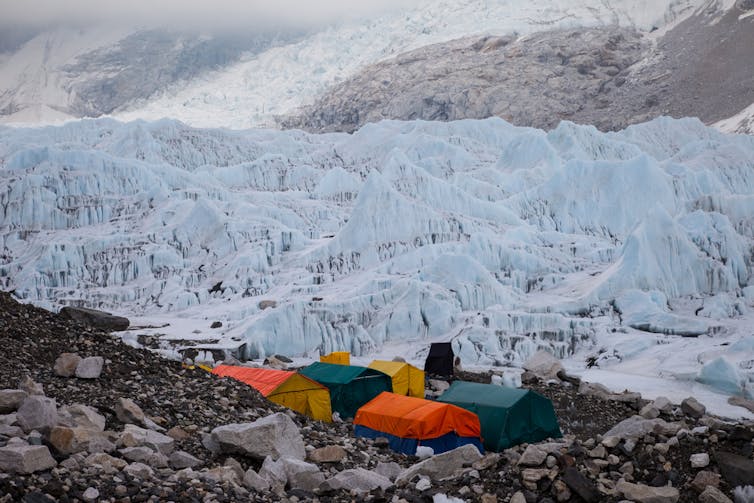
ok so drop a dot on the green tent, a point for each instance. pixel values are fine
(508, 416)
(350, 386)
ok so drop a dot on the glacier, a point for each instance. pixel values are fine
(602, 248)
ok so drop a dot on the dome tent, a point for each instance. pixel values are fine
(283, 387)
(409, 422)
(350, 386)
(407, 379)
(508, 416)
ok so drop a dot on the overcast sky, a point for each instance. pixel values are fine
(193, 12)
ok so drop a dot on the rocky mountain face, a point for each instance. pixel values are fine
(130, 426)
(608, 77)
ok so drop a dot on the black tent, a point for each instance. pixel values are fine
(439, 361)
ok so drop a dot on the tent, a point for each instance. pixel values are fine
(509, 416)
(407, 379)
(286, 388)
(350, 386)
(439, 360)
(339, 357)
(409, 422)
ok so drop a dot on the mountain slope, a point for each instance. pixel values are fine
(608, 77)
(502, 239)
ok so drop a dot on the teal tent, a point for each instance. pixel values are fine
(508, 416)
(350, 386)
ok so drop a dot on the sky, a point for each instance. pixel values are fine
(190, 12)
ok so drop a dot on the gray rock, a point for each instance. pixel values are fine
(253, 482)
(182, 459)
(581, 485)
(302, 475)
(95, 319)
(90, 368)
(274, 473)
(67, 441)
(134, 436)
(28, 385)
(358, 480)
(736, 470)
(37, 413)
(641, 493)
(128, 412)
(328, 454)
(532, 456)
(221, 474)
(91, 494)
(700, 460)
(518, 497)
(649, 411)
(82, 416)
(713, 495)
(11, 399)
(275, 435)
(705, 478)
(663, 404)
(139, 470)
(66, 364)
(25, 458)
(105, 461)
(635, 427)
(691, 407)
(390, 470)
(442, 465)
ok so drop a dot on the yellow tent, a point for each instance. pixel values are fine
(289, 389)
(338, 357)
(407, 379)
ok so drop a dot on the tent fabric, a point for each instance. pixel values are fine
(339, 357)
(350, 386)
(440, 359)
(508, 416)
(407, 379)
(409, 422)
(283, 387)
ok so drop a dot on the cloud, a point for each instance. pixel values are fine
(191, 12)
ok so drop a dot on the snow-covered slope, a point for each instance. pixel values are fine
(742, 123)
(277, 81)
(503, 239)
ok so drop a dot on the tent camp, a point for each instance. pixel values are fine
(508, 416)
(439, 360)
(409, 422)
(350, 387)
(339, 357)
(286, 388)
(407, 379)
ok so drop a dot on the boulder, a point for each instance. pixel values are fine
(67, 441)
(128, 412)
(82, 416)
(267, 304)
(37, 413)
(663, 404)
(182, 459)
(25, 458)
(90, 368)
(544, 365)
(134, 436)
(390, 470)
(302, 475)
(31, 387)
(328, 454)
(641, 493)
(736, 470)
(254, 482)
(275, 435)
(11, 399)
(91, 494)
(700, 460)
(66, 364)
(358, 480)
(273, 471)
(275, 363)
(635, 427)
(691, 407)
(95, 319)
(703, 479)
(146, 455)
(581, 485)
(532, 456)
(442, 465)
(713, 495)
(649, 411)
(105, 461)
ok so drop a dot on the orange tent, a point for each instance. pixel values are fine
(289, 389)
(409, 422)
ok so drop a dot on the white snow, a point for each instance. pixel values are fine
(742, 122)
(401, 234)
